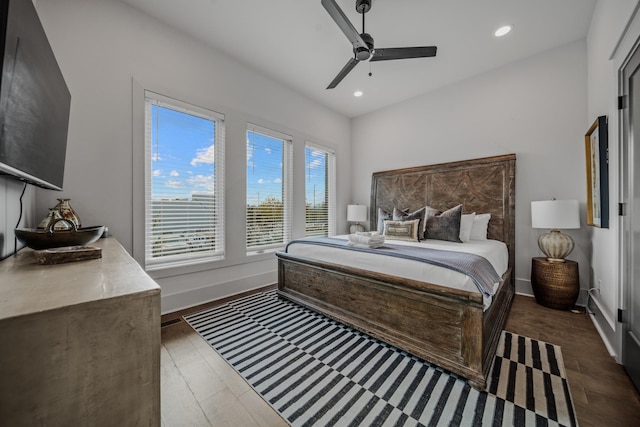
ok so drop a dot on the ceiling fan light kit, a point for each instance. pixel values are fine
(363, 45)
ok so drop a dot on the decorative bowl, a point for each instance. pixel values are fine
(45, 239)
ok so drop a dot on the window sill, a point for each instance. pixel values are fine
(264, 251)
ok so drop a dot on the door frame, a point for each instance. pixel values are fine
(628, 45)
(629, 142)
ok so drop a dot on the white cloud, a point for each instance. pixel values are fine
(204, 155)
(202, 182)
(261, 181)
(174, 173)
(277, 180)
(157, 172)
(172, 183)
(268, 150)
(314, 163)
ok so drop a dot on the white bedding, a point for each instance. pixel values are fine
(494, 251)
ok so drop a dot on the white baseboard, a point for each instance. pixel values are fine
(605, 327)
(192, 297)
(523, 287)
(610, 349)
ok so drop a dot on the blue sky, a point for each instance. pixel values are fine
(182, 154)
(183, 160)
(314, 176)
(264, 168)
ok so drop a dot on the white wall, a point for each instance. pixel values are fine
(534, 108)
(607, 26)
(103, 46)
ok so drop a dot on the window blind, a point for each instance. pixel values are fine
(269, 184)
(184, 188)
(320, 189)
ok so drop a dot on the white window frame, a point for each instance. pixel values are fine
(187, 258)
(287, 192)
(331, 186)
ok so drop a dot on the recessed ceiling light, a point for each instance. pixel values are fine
(357, 93)
(503, 30)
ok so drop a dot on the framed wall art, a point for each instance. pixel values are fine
(597, 155)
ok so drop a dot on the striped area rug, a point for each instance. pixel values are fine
(317, 372)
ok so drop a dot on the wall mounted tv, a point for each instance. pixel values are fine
(34, 100)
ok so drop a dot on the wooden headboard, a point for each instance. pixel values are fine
(485, 185)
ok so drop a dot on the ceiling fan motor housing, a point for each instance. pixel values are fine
(363, 6)
(362, 53)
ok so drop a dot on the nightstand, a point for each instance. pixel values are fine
(555, 284)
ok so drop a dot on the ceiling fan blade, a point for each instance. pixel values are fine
(403, 53)
(341, 19)
(342, 74)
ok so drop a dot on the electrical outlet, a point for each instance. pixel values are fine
(599, 284)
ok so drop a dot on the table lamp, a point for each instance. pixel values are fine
(555, 215)
(357, 214)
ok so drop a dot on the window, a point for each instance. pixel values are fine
(319, 191)
(184, 197)
(269, 170)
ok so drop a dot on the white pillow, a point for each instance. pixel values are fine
(479, 227)
(466, 222)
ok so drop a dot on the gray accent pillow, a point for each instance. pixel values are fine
(430, 212)
(402, 230)
(382, 216)
(420, 214)
(445, 226)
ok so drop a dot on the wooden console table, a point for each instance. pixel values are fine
(555, 284)
(80, 341)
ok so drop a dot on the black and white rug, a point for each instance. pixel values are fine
(317, 372)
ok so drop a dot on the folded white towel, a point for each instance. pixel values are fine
(375, 240)
(367, 233)
(362, 245)
(365, 239)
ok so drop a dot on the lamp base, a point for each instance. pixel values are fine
(356, 227)
(556, 245)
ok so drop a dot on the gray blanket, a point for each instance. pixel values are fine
(478, 268)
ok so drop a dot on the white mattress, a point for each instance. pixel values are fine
(494, 251)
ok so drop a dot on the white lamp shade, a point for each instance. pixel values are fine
(356, 213)
(555, 214)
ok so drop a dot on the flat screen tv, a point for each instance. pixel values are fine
(34, 100)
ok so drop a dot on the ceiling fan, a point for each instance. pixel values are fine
(363, 47)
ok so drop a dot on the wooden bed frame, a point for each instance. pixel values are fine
(444, 326)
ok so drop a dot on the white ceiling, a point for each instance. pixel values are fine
(297, 43)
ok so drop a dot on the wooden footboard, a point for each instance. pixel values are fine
(441, 325)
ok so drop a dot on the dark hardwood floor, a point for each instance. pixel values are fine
(199, 388)
(602, 392)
